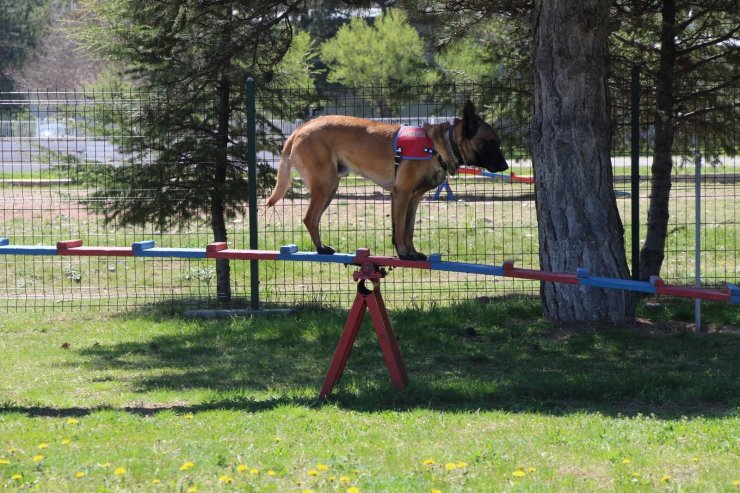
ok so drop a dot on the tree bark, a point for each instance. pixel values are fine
(579, 223)
(218, 213)
(653, 250)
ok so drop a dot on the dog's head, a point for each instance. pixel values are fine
(480, 144)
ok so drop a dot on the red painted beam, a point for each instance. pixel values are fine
(221, 250)
(522, 179)
(363, 256)
(689, 292)
(74, 248)
(469, 171)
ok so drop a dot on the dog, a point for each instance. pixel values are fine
(326, 149)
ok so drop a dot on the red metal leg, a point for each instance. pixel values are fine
(387, 340)
(372, 301)
(346, 341)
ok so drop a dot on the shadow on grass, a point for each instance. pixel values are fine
(474, 356)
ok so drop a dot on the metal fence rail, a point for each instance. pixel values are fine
(57, 187)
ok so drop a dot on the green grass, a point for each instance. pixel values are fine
(494, 389)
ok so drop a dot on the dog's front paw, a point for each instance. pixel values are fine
(326, 250)
(412, 256)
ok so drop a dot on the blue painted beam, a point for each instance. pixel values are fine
(734, 293)
(584, 279)
(7, 249)
(486, 270)
(290, 253)
(148, 249)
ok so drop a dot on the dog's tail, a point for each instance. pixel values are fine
(283, 175)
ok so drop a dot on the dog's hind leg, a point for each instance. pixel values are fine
(322, 192)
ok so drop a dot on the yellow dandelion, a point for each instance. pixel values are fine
(189, 416)
(80, 474)
(72, 421)
(322, 467)
(626, 461)
(461, 465)
(120, 471)
(156, 481)
(16, 477)
(435, 490)
(344, 479)
(518, 473)
(4, 462)
(11, 450)
(66, 441)
(271, 473)
(665, 478)
(531, 469)
(635, 474)
(226, 479)
(695, 459)
(43, 445)
(186, 465)
(277, 439)
(242, 468)
(429, 462)
(191, 489)
(254, 472)
(353, 489)
(307, 490)
(313, 472)
(37, 458)
(450, 466)
(332, 479)
(736, 482)
(105, 464)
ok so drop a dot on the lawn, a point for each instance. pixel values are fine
(499, 400)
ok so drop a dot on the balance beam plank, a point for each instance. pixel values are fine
(235, 254)
(584, 279)
(697, 293)
(538, 275)
(486, 270)
(171, 252)
(74, 248)
(384, 261)
(521, 179)
(27, 250)
(337, 258)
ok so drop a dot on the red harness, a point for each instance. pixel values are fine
(412, 143)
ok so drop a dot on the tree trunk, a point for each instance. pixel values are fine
(652, 252)
(218, 216)
(579, 224)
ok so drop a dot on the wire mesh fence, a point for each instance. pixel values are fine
(90, 165)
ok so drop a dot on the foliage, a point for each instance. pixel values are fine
(296, 68)
(22, 23)
(388, 53)
(702, 65)
(187, 142)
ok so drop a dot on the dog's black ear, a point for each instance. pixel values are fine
(470, 120)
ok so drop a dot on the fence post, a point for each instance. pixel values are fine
(254, 274)
(697, 235)
(635, 175)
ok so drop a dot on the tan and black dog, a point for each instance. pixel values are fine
(328, 148)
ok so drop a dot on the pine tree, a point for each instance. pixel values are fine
(194, 57)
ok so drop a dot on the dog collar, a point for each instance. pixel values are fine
(453, 150)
